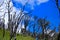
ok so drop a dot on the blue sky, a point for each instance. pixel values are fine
(42, 9)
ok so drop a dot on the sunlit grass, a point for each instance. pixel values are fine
(19, 37)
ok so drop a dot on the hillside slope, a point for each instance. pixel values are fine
(19, 37)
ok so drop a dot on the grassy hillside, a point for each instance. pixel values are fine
(19, 37)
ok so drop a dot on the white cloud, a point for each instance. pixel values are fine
(1, 1)
(41, 1)
(31, 2)
(21, 1)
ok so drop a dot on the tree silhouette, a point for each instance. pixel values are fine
(43, 24)
(26, 22)
(34, 25)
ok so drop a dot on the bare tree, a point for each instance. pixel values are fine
(34, 25)
(43, 23)
(22, 16)
(14, 21)
(10, 23)
(3, 24)
(2, 17)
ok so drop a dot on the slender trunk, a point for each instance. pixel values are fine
(43, 33)
(3, 29)
(15, 31)
(34, 30)
(9, 21)
(11, 28)
(9, 15)
(11, 31)
(25, 23)
(58, 37)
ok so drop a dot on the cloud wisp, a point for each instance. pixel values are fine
(31, 2)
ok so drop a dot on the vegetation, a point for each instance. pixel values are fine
(19, 36)
(14, 21)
